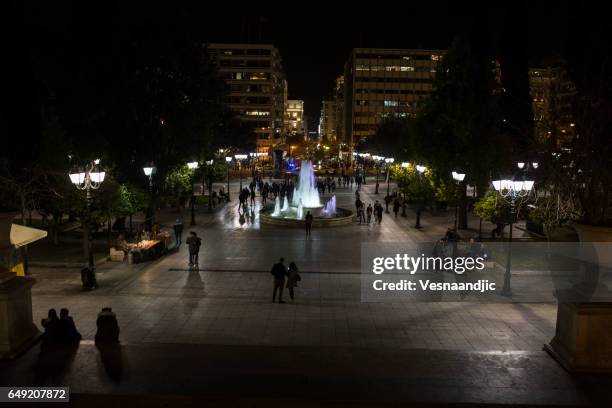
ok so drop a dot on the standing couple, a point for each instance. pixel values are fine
(280, 272)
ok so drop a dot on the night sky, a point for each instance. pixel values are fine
(313, 38)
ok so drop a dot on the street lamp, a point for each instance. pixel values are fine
(377, 160)
(192, 166)
(148, 171)
(389, 161)
(228, 160)
(405, 165)
(420, 169)
(239, 158)
(458, 177)
(511, 190)
(89, 178)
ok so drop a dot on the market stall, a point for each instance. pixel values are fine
(148, 249)
(15, 259)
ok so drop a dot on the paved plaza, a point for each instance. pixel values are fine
(213, 337)
(228, 301)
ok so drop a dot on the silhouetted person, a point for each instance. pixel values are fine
(396, 206)
(194, 243)
(293, 277)
(108, 328)
(67, 332)
(279, 272)
(50, 326)
(308, 220)
(178, 232)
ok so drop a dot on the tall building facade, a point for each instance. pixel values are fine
(257, 87)
(381, 83)
(327, 120)
(553, 95)
(295, 123)
(339, 104)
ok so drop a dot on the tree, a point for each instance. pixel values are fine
(179, 185)
(458, 126)
(493, 207)
(394, 138)
(209, 174)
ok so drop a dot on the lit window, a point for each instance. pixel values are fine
(435, 57)
(410, 69)
(391, 103)
(238, 75)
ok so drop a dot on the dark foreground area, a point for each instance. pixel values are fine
(159, 375)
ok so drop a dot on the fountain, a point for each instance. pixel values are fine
(307, 188)
(300, 210)
(277, 208)
(330, 208)
(306, 198)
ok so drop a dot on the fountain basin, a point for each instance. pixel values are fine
(342, 217)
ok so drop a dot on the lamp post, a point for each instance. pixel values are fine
(405, 165)
(511, 190)
(458, 177)
(364, 167)
(377, 160)
(239, 158)
(89, 178)
(420, 169)
(193, 166)
(252, 157)
(228, 160)
(148, 171)
(389, 161)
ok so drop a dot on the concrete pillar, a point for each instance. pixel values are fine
(583, 338)
(17, 330)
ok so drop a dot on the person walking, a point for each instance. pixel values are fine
(360, 213)
(178, 232)
(253, 196)
(279, 272)
(293, 277)
(194, 242)
(308, 220)
(369, 213)
(387, 202)
(396, 206)
(378, 210)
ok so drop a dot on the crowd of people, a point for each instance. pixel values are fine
(365, 214)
